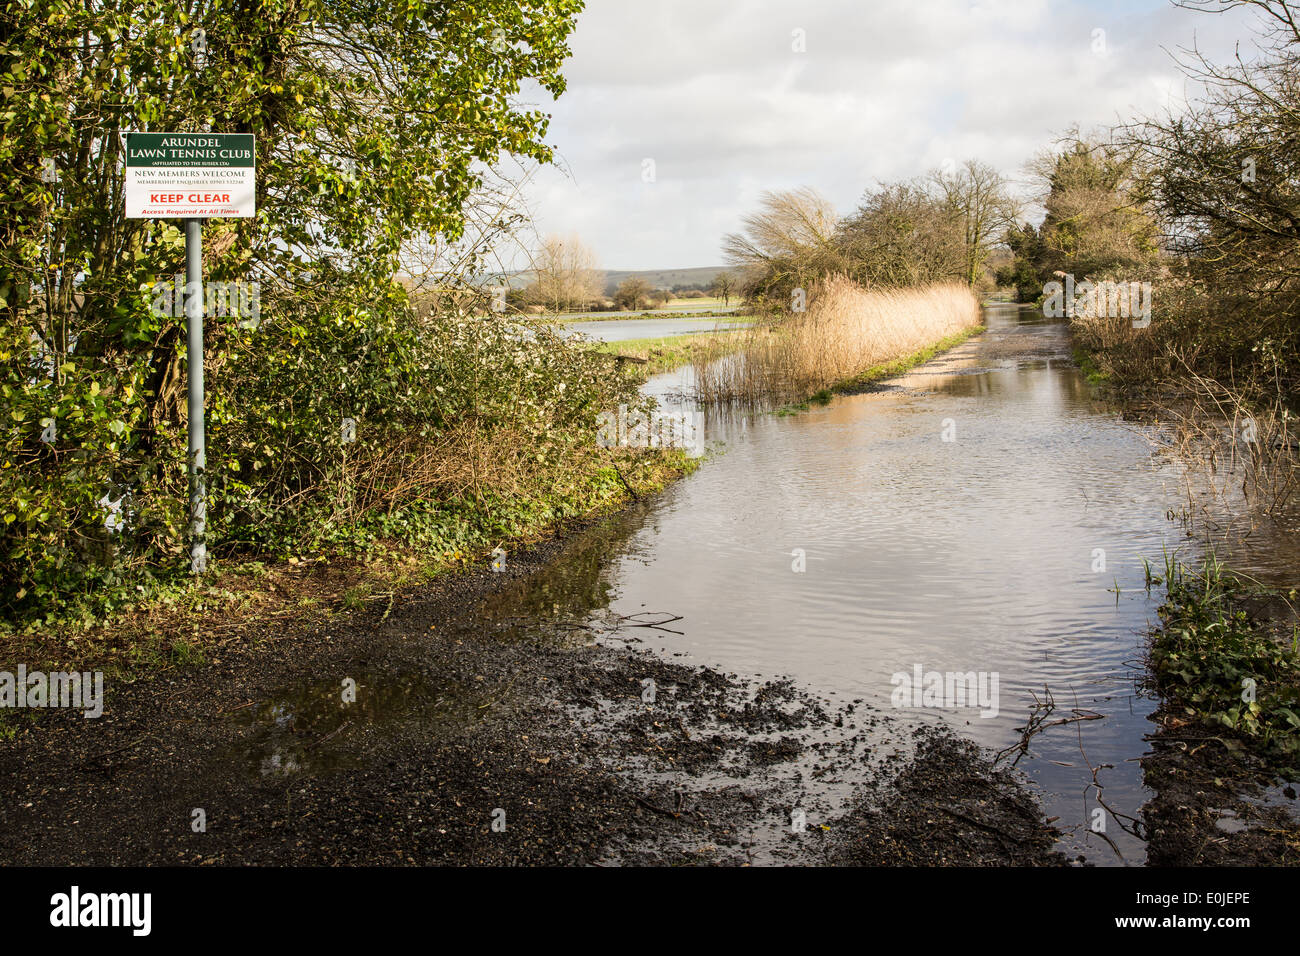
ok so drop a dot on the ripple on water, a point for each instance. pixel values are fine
(975, 554)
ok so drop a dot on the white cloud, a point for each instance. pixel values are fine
(713, 92)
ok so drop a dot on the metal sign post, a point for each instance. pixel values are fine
(192, 177)
(198, 457)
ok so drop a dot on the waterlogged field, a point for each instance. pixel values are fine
(621, 330)
(703, 306)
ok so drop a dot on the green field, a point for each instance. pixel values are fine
(668, 352)
(674, 309)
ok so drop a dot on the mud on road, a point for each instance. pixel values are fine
(474, 740)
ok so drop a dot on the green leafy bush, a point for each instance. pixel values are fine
(464, 423)
(1224, 668)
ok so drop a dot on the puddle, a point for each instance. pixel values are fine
(312, 728)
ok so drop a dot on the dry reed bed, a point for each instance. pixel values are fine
(846, 331)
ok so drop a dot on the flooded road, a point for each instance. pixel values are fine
(952, 549)
(981, 514)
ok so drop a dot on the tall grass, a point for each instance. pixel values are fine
(846, 331)
(1227, 438)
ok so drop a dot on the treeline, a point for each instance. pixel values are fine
(943, 227)
(566, 278)
(338, 413)
(1193, 217)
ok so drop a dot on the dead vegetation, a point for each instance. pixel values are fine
(845, 331)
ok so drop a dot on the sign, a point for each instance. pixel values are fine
(190, 175)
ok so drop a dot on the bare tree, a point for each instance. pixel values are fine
(473, 269)
(787, 243)
(1221, 177)
(724, 287)
(980, 198)
(567, 274)
(1222, 174)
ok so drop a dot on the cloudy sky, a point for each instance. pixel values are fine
(728, 98)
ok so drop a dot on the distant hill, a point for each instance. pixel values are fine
(665, 278)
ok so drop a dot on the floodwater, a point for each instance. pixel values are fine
(620, 330)
(982, 514)
(677, 307)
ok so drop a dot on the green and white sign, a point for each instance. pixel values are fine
(190, 175)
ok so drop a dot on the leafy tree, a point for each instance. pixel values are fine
(1026, 272)
(902, 235)
(1094, 222)
(376, 122)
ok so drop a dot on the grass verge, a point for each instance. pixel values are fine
(1088, 366)
(185, 625)
(703, 316)
(665, 353)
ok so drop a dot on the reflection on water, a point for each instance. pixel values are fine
(305, 728)
(970, 554)
(1016, 548)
